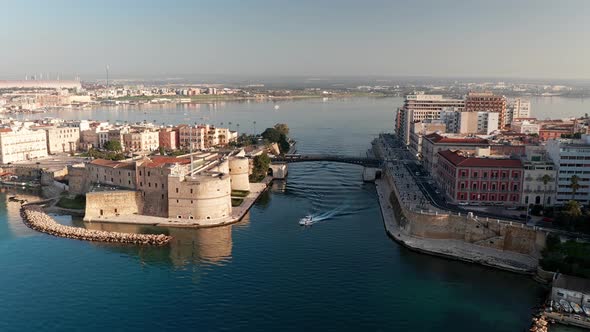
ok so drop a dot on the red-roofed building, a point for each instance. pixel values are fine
(434, 143)
(466, 178)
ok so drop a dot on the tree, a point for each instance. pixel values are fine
(113, 146)
(573, 209)
(282, 128)
(575, 185)
(161, 150)
(261, 164)
(546, 178)
(284, 145)
(272, 135)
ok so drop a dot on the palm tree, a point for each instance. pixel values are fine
(237, 127)
(574, 185)
(254, 123)
(545, 178)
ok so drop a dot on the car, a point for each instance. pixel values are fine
(512, 208)
(547, 219)
(463, 203)
(437, 191)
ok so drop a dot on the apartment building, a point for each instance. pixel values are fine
(418, 107)
(571, 157)
(21, 144)
(487, 102)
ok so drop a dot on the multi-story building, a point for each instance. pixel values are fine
(540, 177)
(205, 136)
(476, 179)
(419, 129)
(517, 109)
(62, 139)
(112, 173)
(22, 144)
(525, 126)
(168, 138)
(141, 141)
(487, 122)
(418, 107)
(571, 157)
(487, 102)
(461, 122)
(434, 143)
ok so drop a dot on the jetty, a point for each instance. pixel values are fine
(35, 218)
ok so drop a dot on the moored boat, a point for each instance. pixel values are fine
(586, 310)
(576, 307)
(565, 305)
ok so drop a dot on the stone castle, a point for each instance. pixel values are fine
(161, 186)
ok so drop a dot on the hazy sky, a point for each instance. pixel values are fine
(536, 38)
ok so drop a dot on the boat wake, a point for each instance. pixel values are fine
(312, 218)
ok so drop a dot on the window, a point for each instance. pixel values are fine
(176, 190)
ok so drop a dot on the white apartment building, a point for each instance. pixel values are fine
(420, 106)
(517, 109)
(571, 157)
(22, 144)
(487, 122)
(62, 139)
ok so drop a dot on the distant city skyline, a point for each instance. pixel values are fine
(155, 39)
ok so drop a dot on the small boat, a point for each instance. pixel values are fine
(556, 306)
(307, 221)
(565, 305)
(576, 307)
(276, 107)
(586, 310)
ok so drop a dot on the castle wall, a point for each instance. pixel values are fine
(112, 203)
(238, 171)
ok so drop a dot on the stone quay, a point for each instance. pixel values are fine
(35, 218)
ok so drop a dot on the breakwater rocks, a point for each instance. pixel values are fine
(35, 218)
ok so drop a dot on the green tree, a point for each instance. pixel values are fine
(261, 164)
(272, 135)
(282, 128)
(573, 209)
(161, 150)
(575, 185)
(113, 146)
(284, 145)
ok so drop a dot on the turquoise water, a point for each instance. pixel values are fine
(266, 272)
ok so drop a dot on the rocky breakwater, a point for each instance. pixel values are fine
(35, 218)
(539, 325)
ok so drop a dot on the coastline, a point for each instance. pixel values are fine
(451, 249)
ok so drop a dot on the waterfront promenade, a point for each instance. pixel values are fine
(238, 212)
(453, 249)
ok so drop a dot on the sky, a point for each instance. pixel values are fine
(437, 38)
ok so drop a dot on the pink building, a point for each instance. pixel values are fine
(466, 178)
(168, 138)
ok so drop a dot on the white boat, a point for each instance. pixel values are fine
(277, 107)
(586, 310)
(307, 221)
(565, 305)
(576, 307)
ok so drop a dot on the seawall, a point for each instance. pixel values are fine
(34, 217)
(490, 243)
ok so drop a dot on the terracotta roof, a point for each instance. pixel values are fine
(112, 164)
(436, 138)
(5, 130)
(159, 161)
(459, 160)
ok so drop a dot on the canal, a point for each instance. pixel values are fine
(266, 272)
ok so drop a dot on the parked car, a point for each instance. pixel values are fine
(547, 219)
(463, 203)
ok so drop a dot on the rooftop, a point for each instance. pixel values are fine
(437, 138)
(457, 158)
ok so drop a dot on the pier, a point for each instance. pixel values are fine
(34, 217)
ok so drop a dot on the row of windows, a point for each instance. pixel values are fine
(492, 197)
(484, 186)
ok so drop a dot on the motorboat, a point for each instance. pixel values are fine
(306, 221)
(586, 310)
(565, 305)
(576, 307)
(556, 306)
